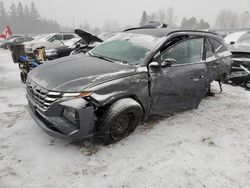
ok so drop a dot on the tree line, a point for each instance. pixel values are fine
(226, 19)
(24, 19)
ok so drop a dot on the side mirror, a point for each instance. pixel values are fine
(232, 42)
(154, 65)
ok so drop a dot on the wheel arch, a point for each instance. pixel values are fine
(111, 100)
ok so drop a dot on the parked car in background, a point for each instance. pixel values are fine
(239, 45)
(13, 36)
(84, 43)
(9, 38)
(15, 41)
(49, 41)
(107, 92)
(235, 37)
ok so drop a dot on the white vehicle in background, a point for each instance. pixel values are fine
(236, 37)
(49, 41)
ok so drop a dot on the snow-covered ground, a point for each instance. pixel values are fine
(205, 147)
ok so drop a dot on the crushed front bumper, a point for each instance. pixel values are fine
(55, 124)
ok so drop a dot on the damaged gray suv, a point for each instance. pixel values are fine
(139, 72)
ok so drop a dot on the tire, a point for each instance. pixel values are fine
(119, 120)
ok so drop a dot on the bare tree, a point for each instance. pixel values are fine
(227, 19)
(244, 19)
(152, 17)
(111, 25)
(162, 15)
(171, 18)
(85, 26)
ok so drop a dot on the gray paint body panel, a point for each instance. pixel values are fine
(169, 89)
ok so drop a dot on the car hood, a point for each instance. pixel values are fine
(78, 72)
(87, 37)
(240, 47)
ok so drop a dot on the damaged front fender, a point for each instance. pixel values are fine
(135, 86)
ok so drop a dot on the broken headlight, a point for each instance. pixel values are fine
(71, 115)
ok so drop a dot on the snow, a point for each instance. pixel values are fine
(204, 147)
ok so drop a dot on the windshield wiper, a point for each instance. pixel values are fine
(101, 57)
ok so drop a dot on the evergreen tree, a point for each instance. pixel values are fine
(34, 12)
(13, 17)
(189, 23)
(144, 18)
(202, 25)
(21, 23)
(20, 11)
(3, 16)
(25, 20)
(26, 11)
(184, 23)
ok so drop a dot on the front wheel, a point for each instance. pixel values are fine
(119, 120)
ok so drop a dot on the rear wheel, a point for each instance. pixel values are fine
(119, 120)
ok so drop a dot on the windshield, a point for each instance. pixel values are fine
(126, 47)
(48, 36)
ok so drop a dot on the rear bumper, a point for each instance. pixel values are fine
(55, 124)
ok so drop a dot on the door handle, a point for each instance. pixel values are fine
(195, 79)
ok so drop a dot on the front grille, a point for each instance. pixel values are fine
(240, 55)
(42, 97)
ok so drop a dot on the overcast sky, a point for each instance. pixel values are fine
(128, 12)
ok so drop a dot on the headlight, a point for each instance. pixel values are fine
(77, 95)
(71, 115)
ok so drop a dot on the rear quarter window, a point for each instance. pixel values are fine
(217, 46)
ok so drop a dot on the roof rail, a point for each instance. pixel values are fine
(134, 28)
(193, 30)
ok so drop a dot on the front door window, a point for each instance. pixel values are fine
(186, 52)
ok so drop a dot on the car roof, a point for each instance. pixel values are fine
(162, 32)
